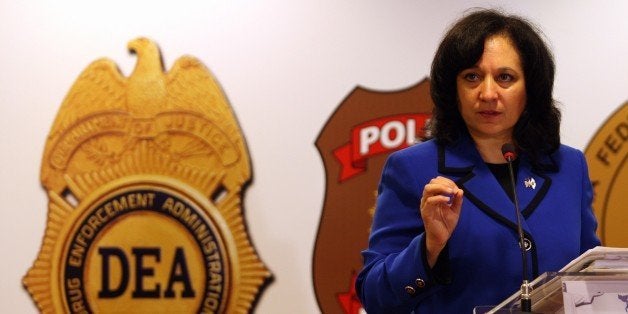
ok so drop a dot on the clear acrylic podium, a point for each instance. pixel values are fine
(595, 282)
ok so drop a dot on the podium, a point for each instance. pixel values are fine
(595, 282)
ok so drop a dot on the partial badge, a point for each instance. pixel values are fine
(144, 176)
(606, 155)
(354, 143)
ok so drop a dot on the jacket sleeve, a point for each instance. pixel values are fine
(588, 236)
(395, 277)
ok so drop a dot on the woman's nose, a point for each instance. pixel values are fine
(488, 90)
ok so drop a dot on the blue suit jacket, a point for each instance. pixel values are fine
(482, 263)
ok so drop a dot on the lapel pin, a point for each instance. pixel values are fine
(530, 183)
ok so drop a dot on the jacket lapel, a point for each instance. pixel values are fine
(482, 188)
(532, 186)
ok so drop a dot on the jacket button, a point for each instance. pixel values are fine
(410, 290)
(527, 244)
(420, 283)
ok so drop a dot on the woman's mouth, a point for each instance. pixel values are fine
(489, 113)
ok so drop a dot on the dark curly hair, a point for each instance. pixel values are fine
(537, 132)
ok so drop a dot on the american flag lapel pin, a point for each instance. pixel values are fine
(530, 183)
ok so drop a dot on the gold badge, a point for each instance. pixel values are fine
(144, 176)
(606, 155)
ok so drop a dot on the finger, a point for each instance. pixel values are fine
(444, 181)
(437, 188)
(436, 200)
(456, 204)
(434, 190)
(432, 205)
(450, 184)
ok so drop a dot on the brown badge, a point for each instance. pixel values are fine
(606, 155)
(144, 176)
(354, 143)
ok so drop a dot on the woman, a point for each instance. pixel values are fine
(444, 236)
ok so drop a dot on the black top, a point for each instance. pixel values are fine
(500, 171)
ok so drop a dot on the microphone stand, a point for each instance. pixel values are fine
(526, 288)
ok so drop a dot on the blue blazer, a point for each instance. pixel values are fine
(481, 264)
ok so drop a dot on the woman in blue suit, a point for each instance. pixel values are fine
(444, 237)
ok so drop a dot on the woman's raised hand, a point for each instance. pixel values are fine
(440, 210)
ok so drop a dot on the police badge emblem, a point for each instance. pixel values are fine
(144, 177)
(354, 143)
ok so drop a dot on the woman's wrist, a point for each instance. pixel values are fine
(432, 251)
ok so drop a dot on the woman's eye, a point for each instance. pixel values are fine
(504, 77)
(471, 77)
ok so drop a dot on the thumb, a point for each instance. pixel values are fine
(457, 201)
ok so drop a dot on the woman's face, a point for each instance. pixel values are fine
(492, 93)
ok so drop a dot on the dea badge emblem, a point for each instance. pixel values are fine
(144, 177)
(606, 155)
(354, 143)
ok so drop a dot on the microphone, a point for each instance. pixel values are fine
(510, 154)
(508, 150)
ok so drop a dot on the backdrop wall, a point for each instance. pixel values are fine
(285, 66)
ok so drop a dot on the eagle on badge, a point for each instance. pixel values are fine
(146, 93)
